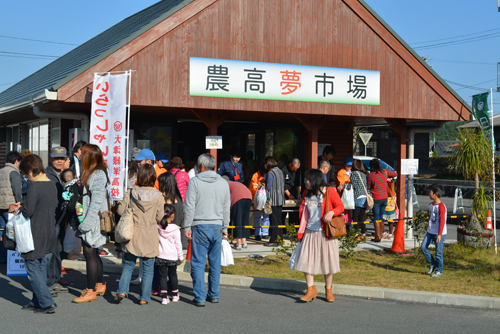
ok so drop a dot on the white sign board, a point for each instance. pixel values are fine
(285, 82)
(15, 264)
(213, 142)
(365, 137)
(409, 166)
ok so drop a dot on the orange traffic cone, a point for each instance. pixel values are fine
(398, 245)
(489, 223)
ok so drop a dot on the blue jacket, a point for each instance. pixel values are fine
(228, 168)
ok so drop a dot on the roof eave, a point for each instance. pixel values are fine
(42, 96)
(118, 46)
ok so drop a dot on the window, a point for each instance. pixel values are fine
(13, 143)
(38, 139)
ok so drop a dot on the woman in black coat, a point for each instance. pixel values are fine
(40, 208)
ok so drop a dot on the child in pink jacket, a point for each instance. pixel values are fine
(170, 252)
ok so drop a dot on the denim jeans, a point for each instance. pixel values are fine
(258, 217)
(54, 261)
(4, 218)
(206, 240)
(128, 262)
(379, 209)
(438, 261)
(37, 275)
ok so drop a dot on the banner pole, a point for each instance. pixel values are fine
(129, 72)
(494, 181)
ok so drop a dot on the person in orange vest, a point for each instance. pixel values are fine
(160, 160)
(260, 218)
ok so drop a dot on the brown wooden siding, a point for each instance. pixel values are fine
(319, 33)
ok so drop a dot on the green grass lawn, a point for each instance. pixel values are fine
(466, 271)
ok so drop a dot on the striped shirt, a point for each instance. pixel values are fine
(377, 183)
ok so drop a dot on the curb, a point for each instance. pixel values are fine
(411, 296)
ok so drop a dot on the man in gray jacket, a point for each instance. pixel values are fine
(10, 191)
(206, 218)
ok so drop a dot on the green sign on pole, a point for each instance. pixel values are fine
(480, 110)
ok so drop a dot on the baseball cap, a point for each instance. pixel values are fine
(348, 161)
(58, 152)
(161, 157)
(145, 154)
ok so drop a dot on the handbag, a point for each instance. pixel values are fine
(106, 217)
(125, 229)
(369, 198)
(267, 208)
(260, 199)
(336, 227)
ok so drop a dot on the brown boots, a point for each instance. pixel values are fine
(329, 295)
(379, 230)
(101, 289)
(311, 294)
(88, 296)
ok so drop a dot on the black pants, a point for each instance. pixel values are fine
(94, 266)
(275, 220)
(168, 274)
(358, 216)
(54, 261)
(293, 219)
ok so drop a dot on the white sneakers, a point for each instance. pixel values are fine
(431, 269)
(165, 301)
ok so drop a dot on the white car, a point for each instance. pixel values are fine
(366, 161)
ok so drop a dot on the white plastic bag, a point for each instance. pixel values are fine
(24, 238)
(10, 227)
(227, 254)
(295, 255)
(260, 199)
(348, 198)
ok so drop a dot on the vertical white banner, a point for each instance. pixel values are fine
(108, 126)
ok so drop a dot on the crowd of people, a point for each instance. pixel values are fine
(173, 208)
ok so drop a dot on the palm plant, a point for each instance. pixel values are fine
(472, 159)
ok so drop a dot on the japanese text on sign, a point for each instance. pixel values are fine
(256, 80)
(107, 128)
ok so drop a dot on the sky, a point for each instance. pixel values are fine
(461, 37)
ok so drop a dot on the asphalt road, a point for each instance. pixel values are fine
(240, 311)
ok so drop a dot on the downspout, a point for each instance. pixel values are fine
(411, 155)
(65, 115)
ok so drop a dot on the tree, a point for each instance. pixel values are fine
(472, 159)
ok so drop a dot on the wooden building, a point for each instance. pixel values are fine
(158, 44)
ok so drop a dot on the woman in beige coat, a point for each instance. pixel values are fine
(147, 205)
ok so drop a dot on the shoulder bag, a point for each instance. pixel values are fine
(369, 198)
(125, 229)
(336, 227)
(106, 217)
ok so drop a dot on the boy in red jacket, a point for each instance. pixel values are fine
(436, 232)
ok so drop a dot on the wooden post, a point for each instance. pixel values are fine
(312, 124)
(212, 119)
(313, 140)
(399, 125)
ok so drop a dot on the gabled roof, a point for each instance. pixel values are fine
(446, 146)
(67, 67)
